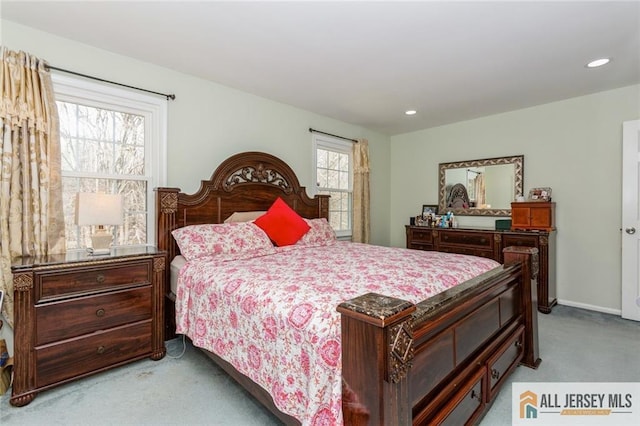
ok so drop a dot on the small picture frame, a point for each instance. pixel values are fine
(429, 209)
(540, 194)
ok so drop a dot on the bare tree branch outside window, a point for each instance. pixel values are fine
(104, 151)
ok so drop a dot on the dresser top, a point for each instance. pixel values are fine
(482, 229)
(80, 256)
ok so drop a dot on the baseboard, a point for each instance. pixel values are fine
(604, 310)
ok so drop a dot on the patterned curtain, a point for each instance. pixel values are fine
(31, 215)
(361, 202)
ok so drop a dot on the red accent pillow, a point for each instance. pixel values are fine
(282, 224)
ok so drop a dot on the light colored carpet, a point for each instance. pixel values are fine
(186, 391)
(575, 345)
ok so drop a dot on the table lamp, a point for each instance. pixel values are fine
(99, 210)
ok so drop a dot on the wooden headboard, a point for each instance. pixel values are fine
(248, 181)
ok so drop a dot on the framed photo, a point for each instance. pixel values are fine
(428, 209)
(540, 194)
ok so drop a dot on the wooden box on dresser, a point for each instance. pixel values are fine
(76, 315)
(538, 215)
(489, 243)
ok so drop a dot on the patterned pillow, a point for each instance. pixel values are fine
(320, 234)
(283, 225)
(238, 238)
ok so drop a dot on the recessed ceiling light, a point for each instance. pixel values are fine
(411, 112)
(598, 63)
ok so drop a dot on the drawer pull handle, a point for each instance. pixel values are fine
(100, 312)
(518, 344)
(495, 374)
(475, 395)
(100, 279)
(101, 349)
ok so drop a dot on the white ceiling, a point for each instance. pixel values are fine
(367, 62)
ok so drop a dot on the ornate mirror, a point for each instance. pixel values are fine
(480, 187)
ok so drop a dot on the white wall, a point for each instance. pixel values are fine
(573, 146)
(209, 122)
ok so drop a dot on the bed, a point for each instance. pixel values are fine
(437, 360)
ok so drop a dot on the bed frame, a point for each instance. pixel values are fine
(441, 361)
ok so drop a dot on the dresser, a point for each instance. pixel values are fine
(489, 243)
(77, 315)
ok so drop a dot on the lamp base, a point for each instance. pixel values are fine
(101, 242)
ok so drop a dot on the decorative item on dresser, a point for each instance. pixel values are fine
(76, 315)
(490, 243)
(429, 209)
(539, 194)
(533, 215)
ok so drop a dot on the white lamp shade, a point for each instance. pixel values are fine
(98, 209)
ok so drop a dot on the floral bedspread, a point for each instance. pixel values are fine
(274, 317)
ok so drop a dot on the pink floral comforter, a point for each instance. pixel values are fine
(274, 317)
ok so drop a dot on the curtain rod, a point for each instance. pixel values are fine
(335, 136)
(172, 97)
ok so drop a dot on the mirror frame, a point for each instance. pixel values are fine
(517, 160)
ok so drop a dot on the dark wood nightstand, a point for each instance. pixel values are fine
(76, 315)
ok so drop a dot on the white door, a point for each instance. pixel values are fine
(631, 220)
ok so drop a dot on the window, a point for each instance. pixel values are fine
(333, 176)
(111, 141)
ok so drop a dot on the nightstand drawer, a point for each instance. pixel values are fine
(75, 317)
(69, 359)
(82, 280)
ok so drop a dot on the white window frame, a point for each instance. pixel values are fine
(329, 143)
(154, 110)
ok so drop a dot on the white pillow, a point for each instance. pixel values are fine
(244, 216)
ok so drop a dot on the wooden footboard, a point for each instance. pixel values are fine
(441, 361)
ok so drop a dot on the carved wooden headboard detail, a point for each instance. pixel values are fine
(248, 181)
